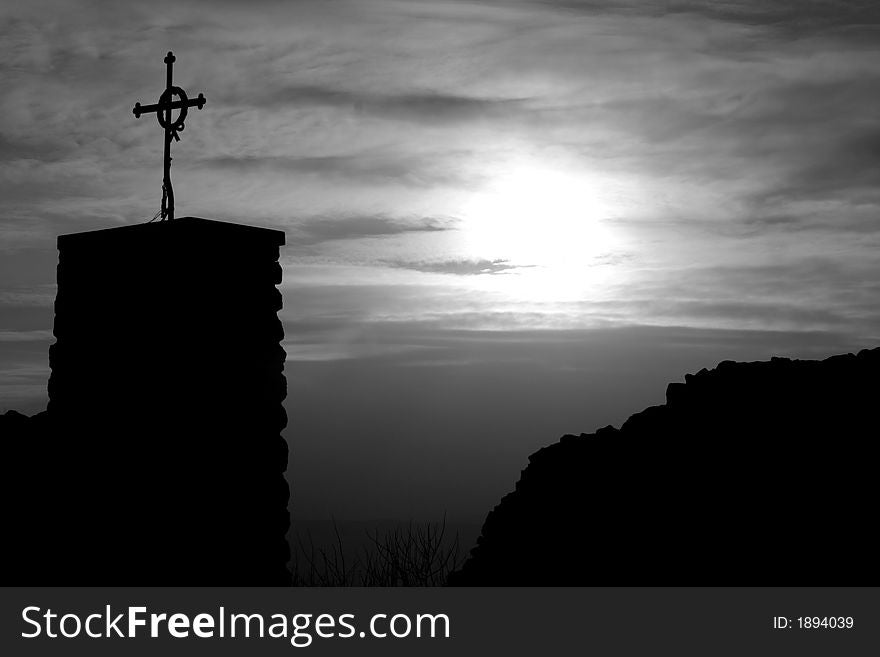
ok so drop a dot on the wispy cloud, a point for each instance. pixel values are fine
(327, 229)
(427, 106)
(459, 267)
(25, 336)
(376, 168)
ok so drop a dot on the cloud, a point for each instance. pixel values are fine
(795, 293)
(33, 148)
(25, 336)
(322, 229)
(405, 342)
(374, 168)
(835, 218)
(458, 267)
(788, 18)
(795, 19)
(427, 106)
(843, 166)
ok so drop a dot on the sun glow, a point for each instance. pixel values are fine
(553, 225)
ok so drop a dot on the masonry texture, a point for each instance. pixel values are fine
(165, 406)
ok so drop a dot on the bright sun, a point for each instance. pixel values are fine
(538, 217)
(551, 223)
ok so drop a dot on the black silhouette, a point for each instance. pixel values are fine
(163, 114)
(159, 460)
(751, 474)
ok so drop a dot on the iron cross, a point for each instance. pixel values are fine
(163, 114)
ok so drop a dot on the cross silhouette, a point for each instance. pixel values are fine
(172, 128)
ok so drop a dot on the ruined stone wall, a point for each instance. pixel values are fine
(750, 473)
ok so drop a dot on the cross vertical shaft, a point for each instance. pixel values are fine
(171, 126)
(167, 189)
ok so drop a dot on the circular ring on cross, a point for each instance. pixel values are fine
(165, 99)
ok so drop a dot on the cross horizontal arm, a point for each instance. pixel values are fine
(161, 107)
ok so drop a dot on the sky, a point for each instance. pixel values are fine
(505, 220)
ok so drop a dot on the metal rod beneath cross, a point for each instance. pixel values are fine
(163, 111)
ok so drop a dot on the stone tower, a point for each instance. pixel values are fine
(165, 399)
